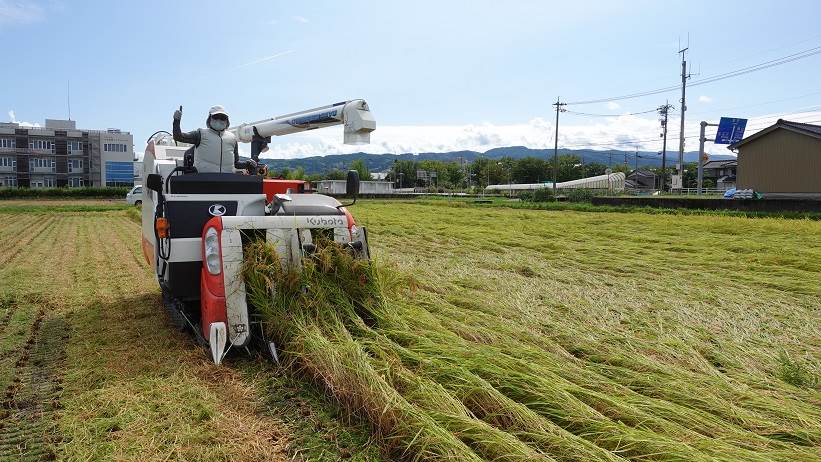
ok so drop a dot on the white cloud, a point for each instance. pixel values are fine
(613, 106)
(612, 133)
(13, 119)
(301, 19)
(265, 59)
(537, 133)
(20, 12)
(705, 99)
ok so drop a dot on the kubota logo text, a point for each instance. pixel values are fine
(216, 210)
(325, 221)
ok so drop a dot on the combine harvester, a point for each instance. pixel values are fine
(194, 225)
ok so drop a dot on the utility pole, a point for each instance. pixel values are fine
(701, 140)
(684, 77)
(559, 109)
(664, 112)
(637, 158)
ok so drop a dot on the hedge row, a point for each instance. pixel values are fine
(107, 192)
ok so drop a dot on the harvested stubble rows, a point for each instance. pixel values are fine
(89, 368)
(551, 336)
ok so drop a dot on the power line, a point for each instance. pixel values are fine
(773, 101)
(610, 115)
(744, 70)
(760, 66)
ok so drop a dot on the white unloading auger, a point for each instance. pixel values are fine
(354, 115)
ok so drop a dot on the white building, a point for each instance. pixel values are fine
(61, 155)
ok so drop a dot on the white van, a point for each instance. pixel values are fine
(135, 196)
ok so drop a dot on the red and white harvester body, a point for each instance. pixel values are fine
(194, 225)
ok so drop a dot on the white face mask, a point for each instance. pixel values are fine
(219, 125)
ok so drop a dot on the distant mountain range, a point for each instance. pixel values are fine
(383, 162)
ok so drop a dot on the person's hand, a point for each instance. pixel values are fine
(251, 166)
(263, 170)
(178, 114)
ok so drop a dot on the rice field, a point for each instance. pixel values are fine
(547, 336)
(477, 334)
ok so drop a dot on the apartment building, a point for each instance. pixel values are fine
(60, 155)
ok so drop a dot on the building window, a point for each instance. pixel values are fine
(74, 146)
(75, 166)
(8, 143)
(43, 163)
(8, 181)
(119, 173)
(115, 147)
(41, 145)
(48, 182)
(8, 162)
(75, 182)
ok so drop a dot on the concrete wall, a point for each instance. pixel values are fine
(781, 162)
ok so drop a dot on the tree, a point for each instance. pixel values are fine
(335, 174)
(690, 175)
(405, 173)
(362, 169)
(624, 168)
(593, 169)
(298, 174)
(531, 170)
(491, 171)
(570, 168)
(454, 175)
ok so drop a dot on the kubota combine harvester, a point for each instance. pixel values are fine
(194, 225)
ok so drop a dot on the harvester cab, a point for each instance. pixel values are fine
(196, 225)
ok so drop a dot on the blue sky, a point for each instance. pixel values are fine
(439, 75)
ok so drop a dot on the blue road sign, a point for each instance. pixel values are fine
(730, 130)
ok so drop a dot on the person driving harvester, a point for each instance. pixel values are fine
(215, 148)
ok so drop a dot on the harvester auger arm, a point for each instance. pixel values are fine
(354, 115)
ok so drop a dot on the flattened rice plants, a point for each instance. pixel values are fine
(447, 371)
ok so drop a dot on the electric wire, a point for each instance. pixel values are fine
(568, 111)
(735, 73)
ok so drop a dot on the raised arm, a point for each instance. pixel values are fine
(192, 137)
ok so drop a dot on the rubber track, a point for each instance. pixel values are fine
(28, 423)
